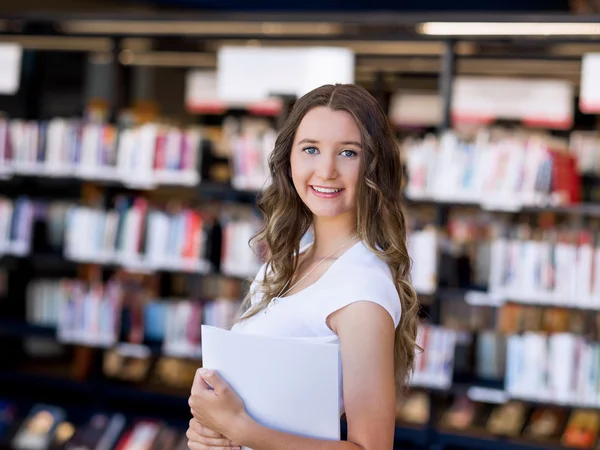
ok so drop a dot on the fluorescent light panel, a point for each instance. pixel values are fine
(508, 29)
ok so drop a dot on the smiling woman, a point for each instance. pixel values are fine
(325, 163)
(335, 167)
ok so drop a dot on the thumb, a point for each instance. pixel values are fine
(212, 379)
(199, 385)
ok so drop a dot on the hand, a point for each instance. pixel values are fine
(219, 409)
(202, 438)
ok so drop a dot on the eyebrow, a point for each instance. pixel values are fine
(313, 141)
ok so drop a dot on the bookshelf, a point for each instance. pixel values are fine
(149, 390)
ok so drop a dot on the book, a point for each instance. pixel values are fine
(546, 424)
(582, 429)
(38, 429)
(507, 419)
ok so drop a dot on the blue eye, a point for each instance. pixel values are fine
(349, 153)
(311, 150)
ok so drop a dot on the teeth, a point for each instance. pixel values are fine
(326, 190)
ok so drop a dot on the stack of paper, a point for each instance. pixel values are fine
(287, 384)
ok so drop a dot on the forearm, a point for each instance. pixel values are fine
(258, 437)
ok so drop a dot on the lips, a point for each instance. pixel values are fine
(326, 192)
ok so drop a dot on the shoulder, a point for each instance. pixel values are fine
(364, 277)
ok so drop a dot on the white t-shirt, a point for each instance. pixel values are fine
(357, 275)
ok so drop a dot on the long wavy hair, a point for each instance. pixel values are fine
(380, 218)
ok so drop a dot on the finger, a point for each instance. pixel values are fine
(197, 442)
(198, 433)
(199, 384)
(213, 379)
(195, 446)
(206, 432)
(202, 431)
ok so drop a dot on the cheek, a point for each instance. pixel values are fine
(296, 176)
(352, 176)
(300, 170)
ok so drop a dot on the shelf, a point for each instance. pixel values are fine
(224, 191)
(16, 328)
(407, 434)
(59, 263)
(72, 182)
(581, 209)
(463, 441)
(98, 389)
(23, 329)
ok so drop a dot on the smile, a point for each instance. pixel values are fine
(326, 192)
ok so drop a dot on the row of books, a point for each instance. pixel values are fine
(561, 368)
(143, 156)
(135, 234)
(183, 321)
(500, 171)
(548, 266)
(138, 236)
(52, 427)
(92, 313)
(142, 237)
(88, 313)
(519, 422)
(434, 365)
(250, 142)
(514, 318)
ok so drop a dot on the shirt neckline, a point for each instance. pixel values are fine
(329, 269)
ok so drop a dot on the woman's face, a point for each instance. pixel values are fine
(325, 161)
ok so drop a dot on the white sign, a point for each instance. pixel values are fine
(535, 102)
(10, 68)
(253, 74)
(589, 96)
(416, 109)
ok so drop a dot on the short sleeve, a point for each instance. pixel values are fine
(361, 284)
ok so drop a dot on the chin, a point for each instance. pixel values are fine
(327, 212)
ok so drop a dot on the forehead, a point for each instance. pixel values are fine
(326, 125)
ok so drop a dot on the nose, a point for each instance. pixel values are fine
(327, 167)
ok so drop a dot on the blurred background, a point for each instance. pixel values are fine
(134, 137)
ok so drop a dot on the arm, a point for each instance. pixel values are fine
(366, 333)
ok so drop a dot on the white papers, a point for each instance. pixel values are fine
(288, 385)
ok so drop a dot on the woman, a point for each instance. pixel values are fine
(336, 168)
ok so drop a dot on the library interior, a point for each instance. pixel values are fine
(156, 118)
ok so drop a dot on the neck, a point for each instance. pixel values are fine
(330, 233)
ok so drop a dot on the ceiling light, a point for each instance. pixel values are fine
(508, 29)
